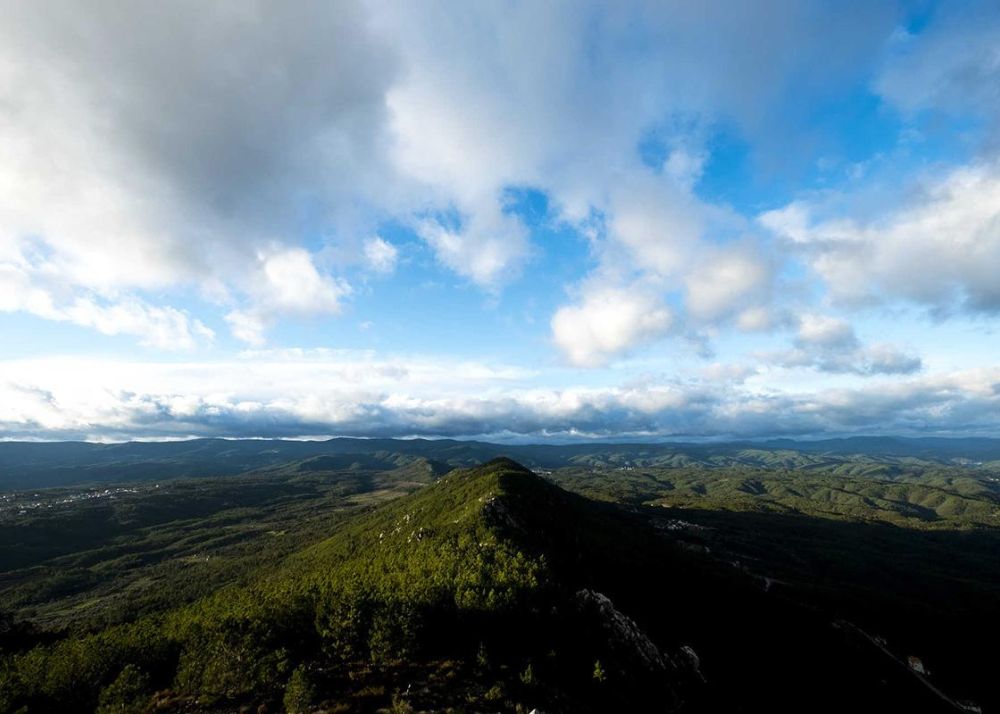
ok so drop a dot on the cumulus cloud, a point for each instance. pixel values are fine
(148, 148)
(759, 318)
(380, 255)
(606, 323)
(939, 249)
(160, 327)
(658, 222)
(145, 147)
(26, 288)
(494, 98)
(722, 372)
(287, 283)
(655, 245)
(734, 281)
(487, 248)
(829, 344)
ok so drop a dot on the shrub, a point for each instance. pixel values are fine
(300, 692)
(127, 694)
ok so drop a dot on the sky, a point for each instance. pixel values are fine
(521, 221)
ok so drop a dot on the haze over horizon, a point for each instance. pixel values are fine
(504, 221)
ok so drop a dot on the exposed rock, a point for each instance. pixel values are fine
(496, 512)
(694, 661)
(623, 633)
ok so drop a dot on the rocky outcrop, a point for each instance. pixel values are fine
(635, 651)
(624, 635)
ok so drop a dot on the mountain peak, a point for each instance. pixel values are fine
(506, 463)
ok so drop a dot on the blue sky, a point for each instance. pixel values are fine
(508, 220)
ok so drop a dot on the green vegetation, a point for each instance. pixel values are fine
(35, 465)
(300, 692)
(943, 498)
(127, 694)
(91, 558)
(345, 584)
(421, 580)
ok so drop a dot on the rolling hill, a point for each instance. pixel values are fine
(26, 465)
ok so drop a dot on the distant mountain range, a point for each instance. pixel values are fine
(38, 464)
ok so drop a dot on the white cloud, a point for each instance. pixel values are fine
(143, 155)
(139, 159)
(830, 344)
(757, 319)
(138, 154)
(293, 284)
(939, 249)
(494, 97)
(656, 241)
(22, 289)
(160, 327)
(287, 282)
(792, 222)
(658, 221)
(728, 281)
(826, 332)
(685, 166)
(488, 249)
(726, 372)
(608, 322)
(381, 255)
(247, 326)
(295, 393)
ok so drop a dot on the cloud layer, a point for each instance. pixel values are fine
(324, 393)
(795, 190)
